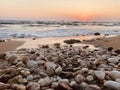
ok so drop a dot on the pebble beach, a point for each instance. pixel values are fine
(57, 66)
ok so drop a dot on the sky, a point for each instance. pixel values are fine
(83, 10)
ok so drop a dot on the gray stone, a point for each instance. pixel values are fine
(79, 78)
(45, 81)
(72, 83)
(64, 80)
(112, 85)
(114, 74)
(113, 60)
(59, 69)
(33, 86)
(117, 80)
(92, 87)
(100, 75)
(18, 87)
(30, 77)
(4, 86)
(90, 78)
(51, 65)
(32, 64)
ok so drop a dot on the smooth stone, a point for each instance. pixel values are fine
(113, 60)
(78, 87)
(59, 69)
(4, 86)
(64, 80)
(45, 81)
(54, 84)
(25, 73)
(50, 72)
(32, 64)
(22, 80)
(112, 85)
(96, 62)
(18, 87)
(10, 58)
(83, 84)
(33, 86)
(84, 70)
(72, 83)
(90, 78)
(100, 75)
(92, 87)
(30, 77)
(79, 78)
(2, 55)
(117, 80)
(114, 74)
(63, 86)
(51, 65)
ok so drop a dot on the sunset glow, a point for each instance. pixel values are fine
(83, 10)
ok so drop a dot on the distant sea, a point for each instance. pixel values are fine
(26, 29)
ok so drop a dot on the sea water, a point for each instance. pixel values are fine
(26, 29)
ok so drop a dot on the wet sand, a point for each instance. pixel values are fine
(106, 42)
(14, 44)
(10, 45)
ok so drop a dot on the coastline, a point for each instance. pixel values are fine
(92, 41)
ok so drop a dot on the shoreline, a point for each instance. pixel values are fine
(92, 41)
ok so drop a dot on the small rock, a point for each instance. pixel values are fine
(63, 86)
(22, 80)
(117, 51)
(45, 81)
(117, 80)
(51, 65)
(10, 58)
(97, 33)
(32, 64)
(33, 86)
(66, 74)
(96, 62)
(4, 86)
(54, 85)
(79, 78)
(89, 78)
(84, 70)
(2, 55)
(18, 87)
(72, 83)
(30, 77)
(50, 72)
(25, 73)
(113, 60)
(114, 74)
(100, 75)
(92, 87)
(110, 48)
(59, 69)
(112, 85)
(64, 80)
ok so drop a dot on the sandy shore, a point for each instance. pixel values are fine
(106, 42)
(10, 45)
(30, 43)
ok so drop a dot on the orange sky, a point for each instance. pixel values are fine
(60, 9)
